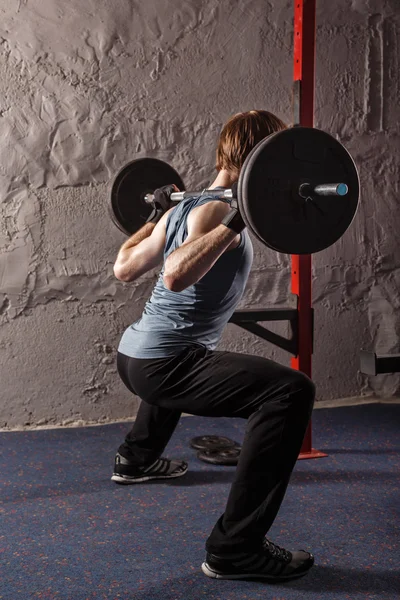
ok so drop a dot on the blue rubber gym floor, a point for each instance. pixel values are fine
(68, 532)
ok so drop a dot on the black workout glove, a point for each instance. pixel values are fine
(233, 220)
(161, 203)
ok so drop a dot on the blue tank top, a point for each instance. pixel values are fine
(172, 321)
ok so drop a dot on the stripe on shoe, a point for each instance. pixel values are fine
(255, 562)
(164, 466)
(247, 560)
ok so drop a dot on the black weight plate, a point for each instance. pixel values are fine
(211, 442)
(269, 182)
(128, 209)
(223, 456)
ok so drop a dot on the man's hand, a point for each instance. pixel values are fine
(162, 202)
(233, 219)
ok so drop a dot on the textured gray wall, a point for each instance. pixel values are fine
(86, 86)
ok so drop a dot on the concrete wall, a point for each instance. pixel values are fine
(86, 86)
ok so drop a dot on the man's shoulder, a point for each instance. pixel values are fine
(206, 206)
(207, 216)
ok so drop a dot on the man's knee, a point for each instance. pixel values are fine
(305, 389)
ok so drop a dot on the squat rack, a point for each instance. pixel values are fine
(301, 319)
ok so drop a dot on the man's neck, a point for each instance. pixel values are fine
(224, 179)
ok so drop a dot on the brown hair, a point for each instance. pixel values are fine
(240, 134)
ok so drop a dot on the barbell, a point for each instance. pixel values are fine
(298, 191)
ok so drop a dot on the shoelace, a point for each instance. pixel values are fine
(277, 552)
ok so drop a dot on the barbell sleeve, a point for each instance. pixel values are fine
(324, 189)
(331, 189)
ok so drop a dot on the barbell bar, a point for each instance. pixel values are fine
(282, 192)
(305, 190)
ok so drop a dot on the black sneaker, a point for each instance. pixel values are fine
(271, 563)
(163, 468)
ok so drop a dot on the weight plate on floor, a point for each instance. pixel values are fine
(128, 209)
(212, 442)
(221, 456)
(269, 182)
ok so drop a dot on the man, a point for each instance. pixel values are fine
(168, 359)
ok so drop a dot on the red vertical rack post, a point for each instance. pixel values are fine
(304, 87)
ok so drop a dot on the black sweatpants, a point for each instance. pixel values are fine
(276, 401)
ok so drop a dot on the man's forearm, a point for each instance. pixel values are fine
(126, 253)
(190, 262)
(137, 237)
